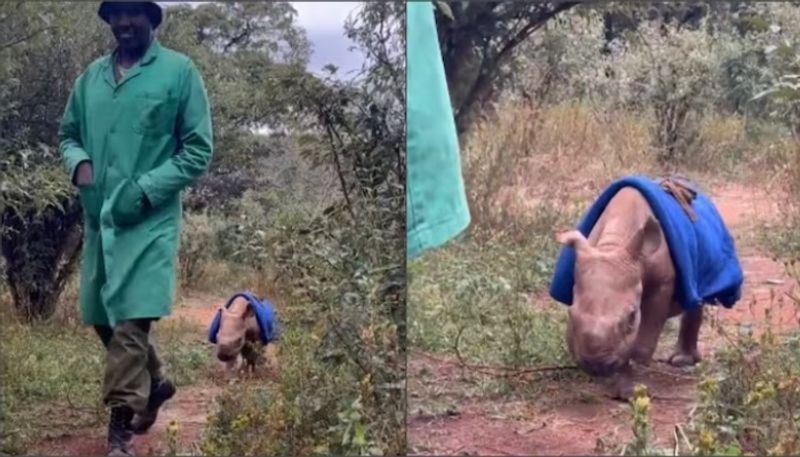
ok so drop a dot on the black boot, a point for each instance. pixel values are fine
(120, 434)
(160, 392)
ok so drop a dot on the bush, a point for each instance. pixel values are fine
(41, 224)
(307, 411)
(574, 147)
(339, 270)
(196, 248)
(41, 220)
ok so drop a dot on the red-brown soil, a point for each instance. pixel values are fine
(572, 417)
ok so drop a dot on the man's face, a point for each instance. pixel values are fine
(130, 26)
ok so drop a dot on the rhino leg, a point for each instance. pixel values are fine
(655, 312)
(686, 352)
(253, 353)
(249, 353)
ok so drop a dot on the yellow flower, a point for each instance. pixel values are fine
(240, 422)
(709, 385)
(707, 441)
(640, 390)
(641, 404)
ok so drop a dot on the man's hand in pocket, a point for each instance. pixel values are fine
(84, 175)
(130, 205)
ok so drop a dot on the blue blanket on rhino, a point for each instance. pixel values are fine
(706, 265)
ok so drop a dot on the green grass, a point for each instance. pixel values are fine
(314, 406)
(52, 374)
(50, 381)
(184, 350)
(479, 296)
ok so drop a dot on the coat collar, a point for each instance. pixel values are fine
(149, 56)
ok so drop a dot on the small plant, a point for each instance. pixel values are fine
(353, 431)
(640, 408)
(171, 433)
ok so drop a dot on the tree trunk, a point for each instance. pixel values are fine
(475, 45)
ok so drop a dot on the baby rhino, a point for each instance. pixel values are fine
(624, 283)
(241, 330)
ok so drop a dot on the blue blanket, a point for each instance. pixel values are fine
(265, 316)
(703, 252)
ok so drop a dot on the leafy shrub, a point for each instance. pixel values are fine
(339, 272)
(40, 235)
(195, 248)
(41, 220)
(306, 411)
(474, 298)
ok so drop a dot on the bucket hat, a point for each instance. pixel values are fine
(151, 9)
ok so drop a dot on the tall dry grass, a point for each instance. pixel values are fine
(528, 157)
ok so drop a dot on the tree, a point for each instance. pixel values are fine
(351, 258)
(40, 230)
(477, 39)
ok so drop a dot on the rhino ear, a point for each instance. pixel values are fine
(573, 238)
(248, 311)
(652, 237)
(646, 241)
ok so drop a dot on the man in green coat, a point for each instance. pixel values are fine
(436, 203)
(136, 131)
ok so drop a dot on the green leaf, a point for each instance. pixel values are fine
(444, 8)
(359, 435)
(733, 449)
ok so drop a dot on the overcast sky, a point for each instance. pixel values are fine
(324, 25)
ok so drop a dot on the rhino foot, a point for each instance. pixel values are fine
(642, 356)
(622, 385)
(684, 359)
(623, 391)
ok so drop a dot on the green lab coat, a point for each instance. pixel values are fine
(436, 204)
(148, 136)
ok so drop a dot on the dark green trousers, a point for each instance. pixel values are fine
(132, 364)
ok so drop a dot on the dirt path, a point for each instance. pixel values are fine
(189, 408)
(572, 418)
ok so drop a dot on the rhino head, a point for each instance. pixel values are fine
(237, 324)
(606, 310)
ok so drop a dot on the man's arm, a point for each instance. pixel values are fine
(75, 158)
(196, 137)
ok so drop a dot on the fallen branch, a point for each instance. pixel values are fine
(685, 438)
(668, 373)
(510, 372)
(491, 370)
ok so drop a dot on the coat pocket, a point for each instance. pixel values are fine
(127, 207)
(156, 114)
